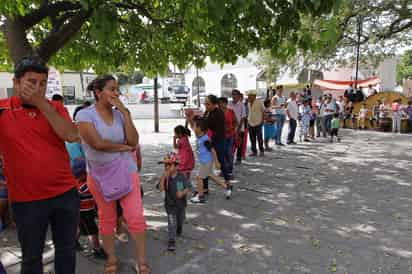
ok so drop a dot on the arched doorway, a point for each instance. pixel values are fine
(228, 83)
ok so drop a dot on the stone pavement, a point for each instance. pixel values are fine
(309, 208)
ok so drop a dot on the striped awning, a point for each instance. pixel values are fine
(343, 85)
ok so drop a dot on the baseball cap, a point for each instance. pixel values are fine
(170, 158)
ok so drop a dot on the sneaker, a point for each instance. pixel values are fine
(179, 230)
(198, 199)
(228, 192)
(122, 237)
(99, 253)
(171, 245)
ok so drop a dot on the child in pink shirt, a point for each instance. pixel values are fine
(184, 150)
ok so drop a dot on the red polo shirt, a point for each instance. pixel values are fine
(37, 165)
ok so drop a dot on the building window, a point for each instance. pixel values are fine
(228, 83)
(198, 84)
(69, 95)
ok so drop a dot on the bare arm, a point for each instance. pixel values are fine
(131, 134)
(175, 145)
(215, 159)
(92, 138)
(65, 129)
(162, 182)
(181, 194)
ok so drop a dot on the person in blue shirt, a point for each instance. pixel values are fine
(206, 156)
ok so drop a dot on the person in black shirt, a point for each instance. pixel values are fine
(215, 123)
(176, 187)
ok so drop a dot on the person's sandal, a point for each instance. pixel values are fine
(143, 269)
(110, 267)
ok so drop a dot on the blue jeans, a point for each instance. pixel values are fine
(219, 146)
(229, 154)
(280, 121)
(292, 131)
(32, 220)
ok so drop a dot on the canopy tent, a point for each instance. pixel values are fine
(343, 85)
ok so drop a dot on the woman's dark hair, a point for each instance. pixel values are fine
(87, 104)
(266, 103)
(213, 99)
(30, 64)
(76, 110)
(99, 83)
(181, 130)
(223, 100)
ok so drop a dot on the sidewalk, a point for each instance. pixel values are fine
(310, 208)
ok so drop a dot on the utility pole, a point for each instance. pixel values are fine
(358, 50)
(156, 107)
(198, 87)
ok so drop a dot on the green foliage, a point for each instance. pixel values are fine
(151, 34)
(404, 68)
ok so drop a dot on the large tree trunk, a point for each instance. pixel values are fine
(16, 40)
(15, 33)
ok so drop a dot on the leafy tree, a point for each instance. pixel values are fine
(130, 78)
(114, 35)
(404, 68)
(386, 26)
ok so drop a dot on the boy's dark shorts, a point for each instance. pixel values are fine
(88, 224)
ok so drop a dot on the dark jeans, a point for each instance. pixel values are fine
(239, 149)
(280, 121)
(326, 125)
(221, 153)
(32, 220)
(229, 154)
(409, 125)
(255, 133)
(292, 130)
(175, 220)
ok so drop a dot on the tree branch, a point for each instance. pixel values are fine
(48, 10)
(56, 40)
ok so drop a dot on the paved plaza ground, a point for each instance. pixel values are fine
(309, 208)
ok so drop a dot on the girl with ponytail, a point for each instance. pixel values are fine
(184, 150)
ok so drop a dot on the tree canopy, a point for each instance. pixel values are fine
(386, 28)
(404, 68)
(113, 35)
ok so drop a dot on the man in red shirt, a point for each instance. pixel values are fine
(41, 186)
(230, 134)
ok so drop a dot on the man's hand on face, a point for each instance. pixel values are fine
(31, 94)
(31, 88)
